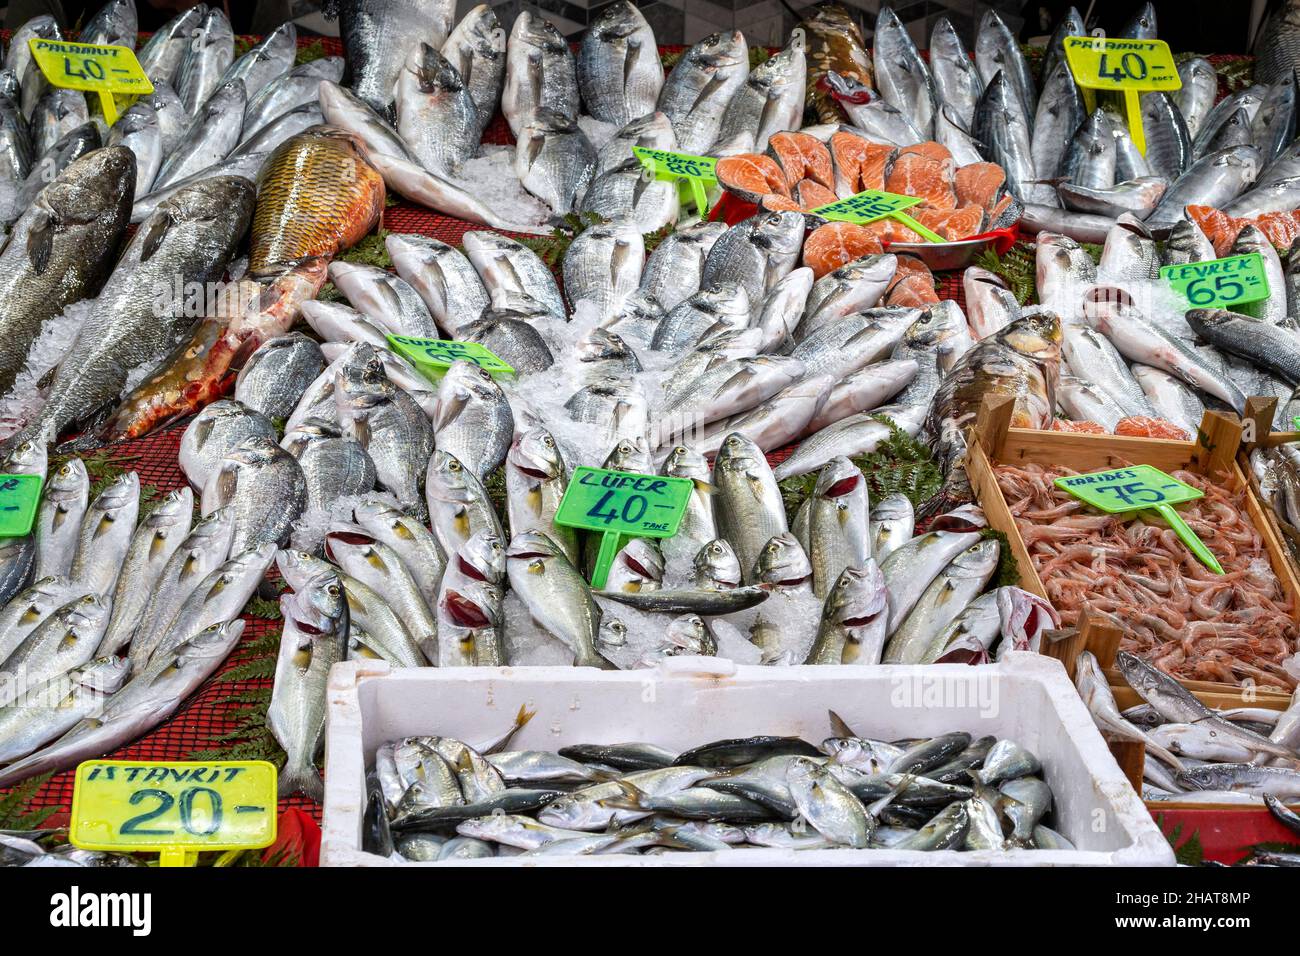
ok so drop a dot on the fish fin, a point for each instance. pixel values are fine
(632, 798)
(40, 243)
(839, 727)
(153, 238)
(305, 780)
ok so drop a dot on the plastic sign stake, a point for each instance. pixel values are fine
(173, 808)
(873, 204)
(1236, 282)
(89, 66)
(20, 496)
(1141, 488)
(694, 173)
(1130, 67)
(434, 356)
(622, 504)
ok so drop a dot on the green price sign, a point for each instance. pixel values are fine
(873, 204)
(693, 173)
(622, 504)
(1141, 488)
(1229, 283)
(20, 496)
(434, 356)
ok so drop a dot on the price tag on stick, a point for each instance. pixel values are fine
(694, 173)
(1235, 283)
(1141, 488)
(1127, 67)
(89, 66)
(434, 356)
(873, 204)
(174, 808)
(622, 504)
(20, 496)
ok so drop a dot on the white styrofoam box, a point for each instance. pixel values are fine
(688, 701)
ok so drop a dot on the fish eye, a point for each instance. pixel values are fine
(453, 465)
(333, 590)
(548, 441)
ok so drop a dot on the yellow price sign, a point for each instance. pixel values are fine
(1123, 66)
(91, 67)
(175, 808)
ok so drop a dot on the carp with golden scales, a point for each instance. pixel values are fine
(317, 196)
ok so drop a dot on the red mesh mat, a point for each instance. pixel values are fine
(209, 713)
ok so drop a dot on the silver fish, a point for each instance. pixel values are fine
(651, 131)
(58, 520)
(380, 568)
(51, 709)
(207, 57)
(215, 432)
(628, 191)
(511, 271)
(162, 54)
(378, 34)
(997, 51)
(145, 702)
(57, 113)
(854, 617)
(536, 479)
(619, 71)
(1213, 180)
(30, 608)
(267, 60)
(511, 337)
(769, 101)
(1200, 88)
(1060, 111)
(540, 72)
(602, 266)
(436, 116)
(411, 540)
(316, 623)
(748, 503)
(219, 597)
(554, 160)
(755, 253)
(473, 421)
(341, 107)
(1002, 124)
(556, 594)
(138, 130)
(477, 48)
(288, 92)
(276, 375)
(915, 637)
(469, 607)
(210, 137)
(700, 86)
(956, 81)
(157, 538)
(459, 507)
(333, 466)
(855, 435)
(385, 298)
(265, 489)
(106, 534)
(442, 276)
(902, 76)
(65, 640)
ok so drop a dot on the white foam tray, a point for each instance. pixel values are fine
(687, 701)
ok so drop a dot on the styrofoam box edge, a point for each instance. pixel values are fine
(1096, 780)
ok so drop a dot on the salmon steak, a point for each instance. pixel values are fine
(836, 244)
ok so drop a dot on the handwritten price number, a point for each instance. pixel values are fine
(1225, 290)
(1134, 493)
(1132, 66)
(633, 503)
(186, 808)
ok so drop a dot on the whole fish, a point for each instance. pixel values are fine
(443, 277)
(902, 77)
(700, 86)
(756, 253)
(1274, 125)
(852, 628)
(1252, 240)
(161, 532)
(619, 71)
(162, 54)
(378, 35)
(342, 108)
(1137, 197)
(838, 531)
(276, 375)
(267, 60)
(379, 567)
(173, 121)
(387, 299)
(554, 160)
(1060, 113)
(189, 240)
(219, 597)
(264, 487)
(997, 51)
(414, 543)
(1200, 88)
(1272, 347)
(208, 55)
(316, 622)
(914, 639)
(386, 421)
(775, 422)
(473, 420)
(828, 805)
(511, 337)
(1213, 180)
(747, 501)
(717, 305)
(956, 81)
(477, 49)
(58, 519)
(215, 432)
(880, 120)
(333, 466)
(146, 701)
(58, 705)
(540, 72)
(105, 535)
(62, 248)
(854, 435)
(18, 55)
(16, 149)
(1090, 353)
(769, 101)
(602, 266)
(511, 271)
(1003, 126)
(556, 594)
(436, 115)
(1170, 397)
(63, 641)
(629, 191)
(203, 551)
(299, 86)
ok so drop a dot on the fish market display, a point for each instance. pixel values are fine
(434, 798)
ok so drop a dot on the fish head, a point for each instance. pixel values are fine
(320, 606)
(214, 641)
(120, 492)
(447, 478)
(104, 674)
(602, 345)
(737, 453)
(720, 50)
(298, 567)
(536, 454)
(717, 565)
(782, 562)
(858, 596)
(684, 462)
(69, 480)
(967, 517)
(483, 556)
(779, 232)
(26, 458)
(839, 478)
(1037, 336)
(643, 558)
(90, 612)
(630, 454)
(530, 546)
(176, 507)
(612, 632)
(689, 634)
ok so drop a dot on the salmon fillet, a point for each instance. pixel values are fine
(750, 176)
(912, 290)
(930, 150)
(810, 194)
(837, 243)
(952, 224)
(980, 184)
(802, 156)
(929, 179)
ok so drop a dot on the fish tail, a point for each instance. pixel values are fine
(305, 780)
(632, 798)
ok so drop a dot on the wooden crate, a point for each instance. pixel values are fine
(992, 440)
